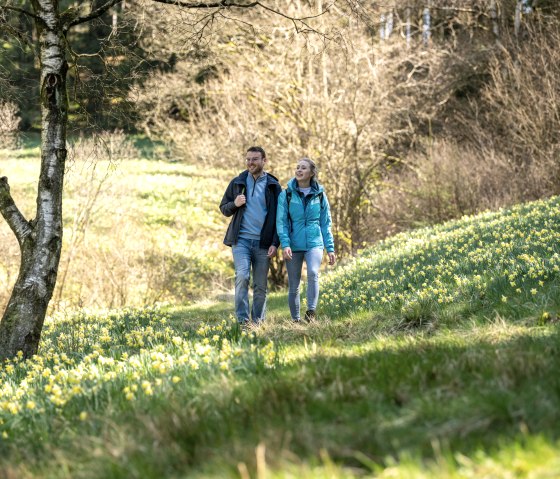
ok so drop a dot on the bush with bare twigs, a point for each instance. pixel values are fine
(405, 133)
(501, 147)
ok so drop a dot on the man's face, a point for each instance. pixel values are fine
(255, 162)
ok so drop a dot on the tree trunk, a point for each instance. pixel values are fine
(495, 20)
(426, 25)
(41, 239)
(517, 21)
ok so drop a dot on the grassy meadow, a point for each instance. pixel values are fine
(435, 355)
(137, 229)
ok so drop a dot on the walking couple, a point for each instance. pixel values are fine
(264, 217)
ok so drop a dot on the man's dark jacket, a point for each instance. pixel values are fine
(238, 186)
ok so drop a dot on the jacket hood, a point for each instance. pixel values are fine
(316, 188)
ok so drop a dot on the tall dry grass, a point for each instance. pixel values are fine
(135, 231)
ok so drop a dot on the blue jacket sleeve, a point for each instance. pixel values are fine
(326, 223)
(282, 226)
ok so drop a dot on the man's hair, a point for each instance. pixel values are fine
(257, 149)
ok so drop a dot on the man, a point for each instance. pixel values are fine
(252, 198)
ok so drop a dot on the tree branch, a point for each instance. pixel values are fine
(294, 19)
(19, 225)
(180, 3)
(219, 4)
(20, 10)
(91, 15)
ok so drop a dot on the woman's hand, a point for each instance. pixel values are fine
(332, 258)
(287, 253)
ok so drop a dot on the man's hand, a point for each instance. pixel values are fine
(332, 258)
(240, 200)
(287, 253)
(272, 251)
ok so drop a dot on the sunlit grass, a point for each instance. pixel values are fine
(326, 401)
(435, 355)
(136, 230)
(505, 262)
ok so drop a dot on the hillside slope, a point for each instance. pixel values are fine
(435, 355)
(505, 262)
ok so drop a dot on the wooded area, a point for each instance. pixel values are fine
(415, 113)
(392, 90)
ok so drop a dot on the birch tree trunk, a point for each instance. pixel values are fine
(40, 240)
(517, 20)
(426, 25)
(495, 20)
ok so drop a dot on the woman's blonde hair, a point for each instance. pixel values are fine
(312, 166)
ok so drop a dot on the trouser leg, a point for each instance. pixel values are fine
(313, 259)
(293, 266)
(261, 263)
(242, 263)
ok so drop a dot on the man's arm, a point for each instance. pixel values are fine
(227, 206)
(282, 227)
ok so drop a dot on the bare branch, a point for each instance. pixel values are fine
(293, 19)
(179, 3)
(220, 4)
(19, 225)
(92, 15)
(20, 10)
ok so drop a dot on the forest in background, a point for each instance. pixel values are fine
(415, 113)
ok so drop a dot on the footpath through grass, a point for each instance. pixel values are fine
(453, 375)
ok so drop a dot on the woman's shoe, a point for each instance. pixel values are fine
(310, 315)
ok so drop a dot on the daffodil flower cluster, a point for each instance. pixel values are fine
(494, 257)
(89, 359)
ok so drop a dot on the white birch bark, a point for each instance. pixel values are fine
(40, 240)
(517, 21)
(493, 9)
(408, 33)
(426, 25)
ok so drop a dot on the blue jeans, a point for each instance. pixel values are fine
(313, 259)
(246, 254)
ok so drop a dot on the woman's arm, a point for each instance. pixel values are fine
(326, 225)
(282, 226)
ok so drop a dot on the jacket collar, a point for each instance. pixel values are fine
(242, 178)
(316, 188)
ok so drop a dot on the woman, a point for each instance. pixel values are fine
(303, 222)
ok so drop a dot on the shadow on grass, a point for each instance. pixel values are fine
(388, 402)
(383, 402)
(396, 401)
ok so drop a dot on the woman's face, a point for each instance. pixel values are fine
(303, 171)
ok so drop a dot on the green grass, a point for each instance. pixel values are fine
(136, 230)
(505, 262)
(443, 379)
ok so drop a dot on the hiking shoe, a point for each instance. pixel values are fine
(310, 315)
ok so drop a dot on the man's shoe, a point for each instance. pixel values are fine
(310, 315)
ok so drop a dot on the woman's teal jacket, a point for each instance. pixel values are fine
(308, 224)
